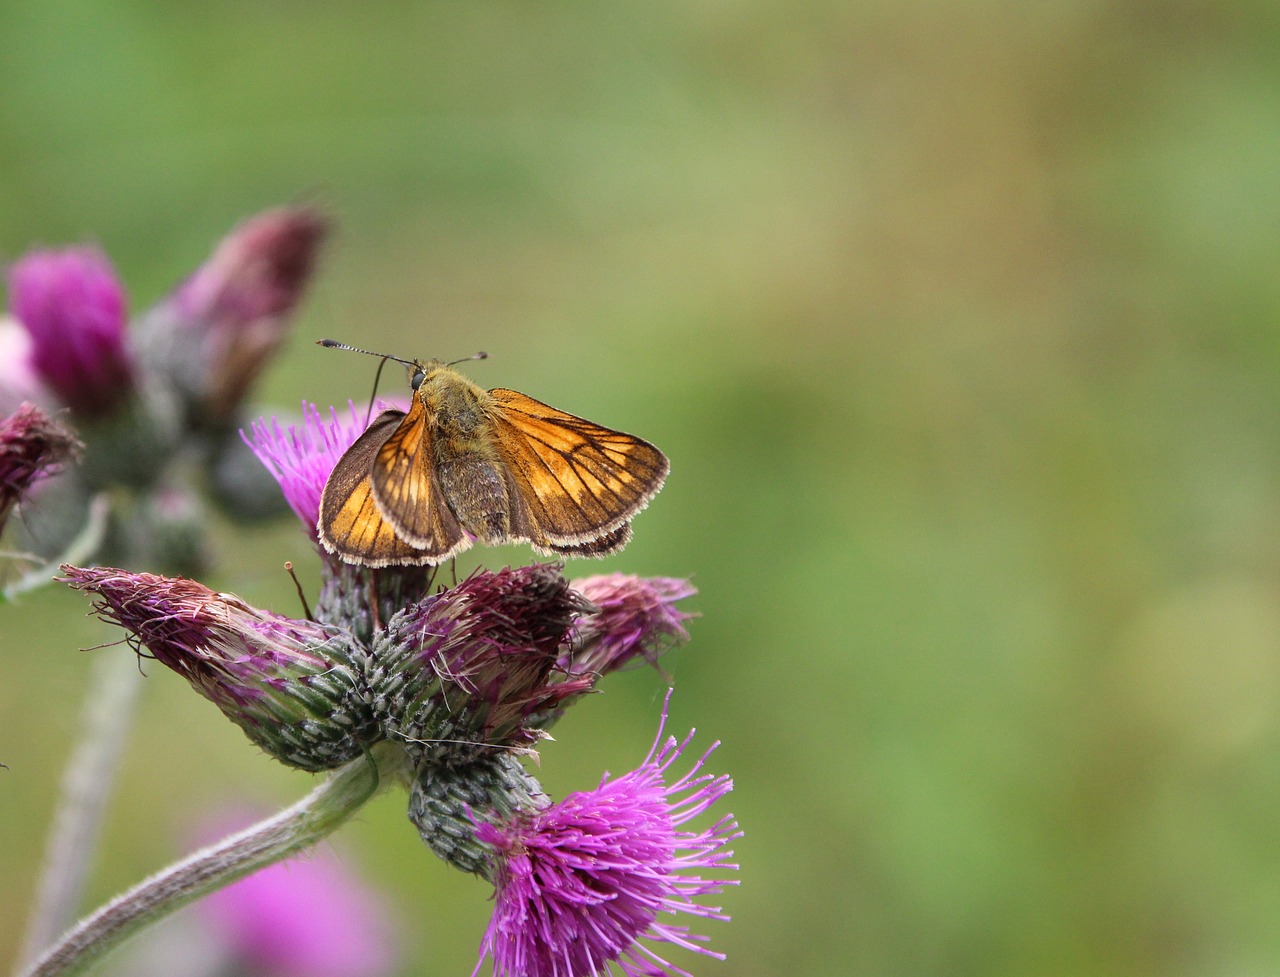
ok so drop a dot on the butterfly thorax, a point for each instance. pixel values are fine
(459, 419)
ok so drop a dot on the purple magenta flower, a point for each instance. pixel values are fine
(73, 306)
(223, 324)
(301, 457)
(292, 686)
(306, 917)
(32, 446)
(635, 617)
(582, 882)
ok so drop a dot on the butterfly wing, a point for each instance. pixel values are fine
(578, 483)
(406, 489)
(351, 524)
(606, 544)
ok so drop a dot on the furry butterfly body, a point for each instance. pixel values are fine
(466, 465)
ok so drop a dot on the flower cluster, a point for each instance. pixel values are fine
(149, 395)
(456, 685)
(464, 680)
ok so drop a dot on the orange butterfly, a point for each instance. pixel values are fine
(465, 465)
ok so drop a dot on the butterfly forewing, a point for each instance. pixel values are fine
(351, 524)
(407, 489)
(580, 481)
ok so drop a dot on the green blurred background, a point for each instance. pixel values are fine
(959, 325)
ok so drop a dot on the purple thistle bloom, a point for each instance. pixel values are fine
(73, 306)
(306, 917)
(301, 457)
(288, 684)
(636, 617)
(32, 446)
(582, 881)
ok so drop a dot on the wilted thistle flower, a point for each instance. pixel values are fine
(292, 686)
(73, 306)
(634, 617)
(474, 663)
(32, 445)
(462, 678)
(582, 883)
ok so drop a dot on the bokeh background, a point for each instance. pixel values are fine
(959, 325)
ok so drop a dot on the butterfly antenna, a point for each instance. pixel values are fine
(466, 359)
(334, 344)
(377, 377)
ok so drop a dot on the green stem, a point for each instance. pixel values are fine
(297, 827)
(115, 683)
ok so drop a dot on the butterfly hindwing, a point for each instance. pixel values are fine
(579, 482)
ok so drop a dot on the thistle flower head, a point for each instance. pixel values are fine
(301, 456)
(583, 882)
(230, 316)
(73, 307)
(32, 446)
(635, 618)
(288, 684)
(467, 668)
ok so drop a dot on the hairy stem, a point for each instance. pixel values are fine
(86, 785)
(293, 829)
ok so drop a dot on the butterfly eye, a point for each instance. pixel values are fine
(416, 380)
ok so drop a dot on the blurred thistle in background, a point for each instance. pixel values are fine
(156, 401)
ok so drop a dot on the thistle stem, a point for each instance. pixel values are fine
(278, 837)
(86, 786)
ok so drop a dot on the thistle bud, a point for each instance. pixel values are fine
(214, 334)
(292, 686)
(446, 802)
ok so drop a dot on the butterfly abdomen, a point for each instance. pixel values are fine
(477, 494)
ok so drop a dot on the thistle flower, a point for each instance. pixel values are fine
(581, 883)
(635, 617)
(32, 446)
(460, 673)
(301, 456)
(292, 686)
(73, 307)
(219, 328)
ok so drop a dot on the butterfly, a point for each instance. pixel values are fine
(466, 465)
